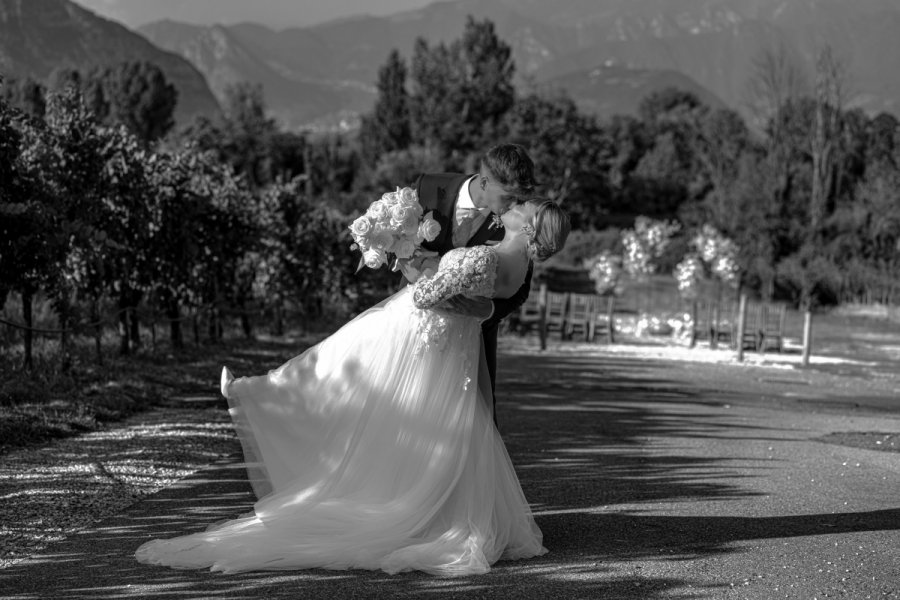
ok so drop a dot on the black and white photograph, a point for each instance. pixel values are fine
(450, 299)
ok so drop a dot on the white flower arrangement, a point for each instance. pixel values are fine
(605, 270)
(689, 274)
(714, 255)
(393, 229)
(718, 252)
(646, 243)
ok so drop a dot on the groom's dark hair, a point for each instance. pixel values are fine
(512, 167)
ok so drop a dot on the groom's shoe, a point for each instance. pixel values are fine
(227, 378)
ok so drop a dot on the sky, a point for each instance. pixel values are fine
(278, 14)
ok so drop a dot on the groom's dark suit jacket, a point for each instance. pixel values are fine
(437, 192)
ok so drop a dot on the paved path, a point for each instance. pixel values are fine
(649, 480)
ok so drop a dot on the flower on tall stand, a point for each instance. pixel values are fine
(646, 243)
(643, 246)
(718, 253)
(714, 257)
(689, 274)
(605, 270)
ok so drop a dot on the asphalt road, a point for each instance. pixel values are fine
(650, 480)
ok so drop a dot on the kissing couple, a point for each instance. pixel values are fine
(378, 448)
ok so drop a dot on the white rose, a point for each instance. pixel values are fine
(408, 196)
(361, 227)
(374, 258)
(381, 239)
(399, 213)
(404, 249)
(405, 219)
(429, 228)
(391, 199)
(378, 210)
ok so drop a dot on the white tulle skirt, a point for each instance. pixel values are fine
(375, 449)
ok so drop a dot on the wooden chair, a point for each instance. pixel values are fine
(726, 329)
(530, 314)
(579, 316)
(603, 319)
(771, 327)
(752, 327)
(555, 312)
(701, 312)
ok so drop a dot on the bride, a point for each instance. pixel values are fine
(376, 448)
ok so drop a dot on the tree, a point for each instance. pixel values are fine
(141, 98)
(570, 150)
(62, 78)
(720, 140)
(776, 79)
(461, 92)
(669, 173)
(825, 144)
(387, 129)
(401, 167)
(135, 94)
(244, 135)
(883, 137)
(27, 95)
(128, 197)
(437, 89)
(69, 154)
(489, 90)
(669, 105)
(27, 236)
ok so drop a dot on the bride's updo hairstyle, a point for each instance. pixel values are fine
(548, 229)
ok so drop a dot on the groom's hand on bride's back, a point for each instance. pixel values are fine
(423, 265)
(480, 308)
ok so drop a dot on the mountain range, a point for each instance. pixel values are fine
(38, 36)
(607, 54)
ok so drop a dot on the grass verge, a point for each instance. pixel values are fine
(46, 403)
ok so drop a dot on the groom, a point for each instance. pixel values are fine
(468, 208)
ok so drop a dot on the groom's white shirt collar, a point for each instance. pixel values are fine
(464, 198)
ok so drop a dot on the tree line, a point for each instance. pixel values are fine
(112, 212)
(808, 190)
(113, 227)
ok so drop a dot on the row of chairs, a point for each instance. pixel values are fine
(589, 315)
(763, 325)
(569, 313)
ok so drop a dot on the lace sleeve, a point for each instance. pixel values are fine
(469, 271)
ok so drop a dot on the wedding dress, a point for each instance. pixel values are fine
(375, 449)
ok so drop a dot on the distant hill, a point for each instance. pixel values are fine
(326, 74)
(328, 71)
(614, 90)
(716, 42)
(296, 88)
(37, 36)
(317, 73)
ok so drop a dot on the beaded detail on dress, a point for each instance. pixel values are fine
(468, 271)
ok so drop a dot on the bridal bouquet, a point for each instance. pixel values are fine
(392, 230)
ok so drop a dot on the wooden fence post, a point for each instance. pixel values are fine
(610, 319)
(542, 315)
(694, 314)
(807, 336)
(741, 326)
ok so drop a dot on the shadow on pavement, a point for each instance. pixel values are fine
(576, 430)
